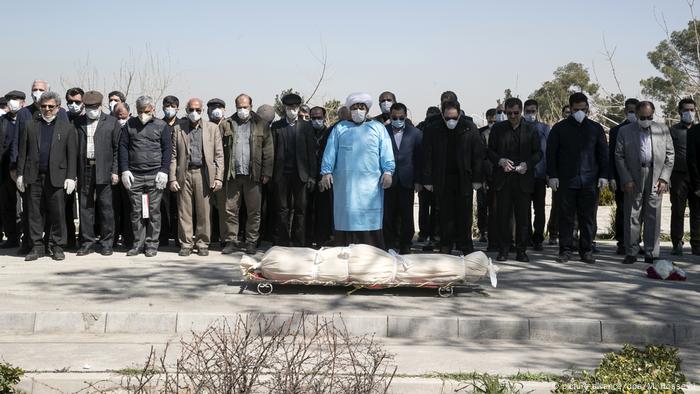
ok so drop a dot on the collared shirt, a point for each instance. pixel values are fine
(290, 147)
(195, 141)
(398, 136)
(45, 148)
(90, 148)
(242, 149)
(645, 144)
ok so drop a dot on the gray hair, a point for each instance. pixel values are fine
(144, 102)
(48, 87)
(196, 99)
(46, 96)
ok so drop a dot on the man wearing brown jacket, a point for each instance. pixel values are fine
(196, 173)
(248, 163)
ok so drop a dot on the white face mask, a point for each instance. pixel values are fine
(145, 118)
(48, 119)
(217, 114)
(502, 117)
(631, 117)
(74, 108)
(194, 116)
(93, 113)
(358, 115)
(451, 124)
(112, 103)
(386, 106)
(645, 124)
(170, 112)
(13, 105)
(292, 114)
(579, 116)
(36, 94)
(318, 123)
(530, 117)
(243, 113)
(688, 117)
(122, 122)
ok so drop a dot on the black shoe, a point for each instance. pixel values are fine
(163, 242)
(405, 251)
(538, 248)
(106, 251)
(34, 254)
(588, 258)
(184, 252)
(250, 248)
(629, 260)
(522, 257)
(9, 244)
(231, 247)
(564, 257)
(621, 250)
(134, 252)
(204, 252)
(502, 257)
(553, 241)
(428, 247)
(84, 250)
(677, 249)
(151, 252)
(648, 260)
(594, 248)
(57, 253)
(513, 249)
(26, 248)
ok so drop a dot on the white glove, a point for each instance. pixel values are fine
(69, 185)
(612, 185)
(521, 168)
(506, 164)
(161, 180)
(476, 185)
(602, 182)
(326, 182)
(554, 184)
(386, 180)
(127, 179)
(20, 184)
(115, 179)
(428, 187)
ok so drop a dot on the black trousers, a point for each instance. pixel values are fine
(121, 205)
(46, 204)
(168, 215)
(455, 204)
(553, 222)
(319, 217)
(538, 197)
(8, 208)
(579, 204)
(682, 193)
(512, 201)
(345, 238)
(427, 214)
(71, 231)
(482, 211)
(290, 201)
(620, 217)
(96, 198)
(398, 217)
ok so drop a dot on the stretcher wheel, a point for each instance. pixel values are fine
(446, 291)
(265, 288)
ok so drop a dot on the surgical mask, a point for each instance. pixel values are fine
(170, 112)
(112, 104)
(243, 113)
(688, 117)
(48, 119)
(194, 116)
(93, 113)
(645, 124)
(631, 117)
(451, 124)
(358, 115)
(2, 112)
(398, 123)
(318, 123)
(36, 94)
(579, 116)
(502, 117)
(385, 106)
(122, 122)
(13, 105)
(217, 114)
(292, 114)
(145, 118)
(530, 117)
(74, 108)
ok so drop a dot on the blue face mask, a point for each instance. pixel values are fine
(398, 124)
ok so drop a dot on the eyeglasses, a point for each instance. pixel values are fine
(646, 117)
(47, 106)
(199, 110)
(74, 102)
(512, 113)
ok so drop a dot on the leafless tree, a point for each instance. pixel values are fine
(323, 61)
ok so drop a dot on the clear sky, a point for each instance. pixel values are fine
(416, 49)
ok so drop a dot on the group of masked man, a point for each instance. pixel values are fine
(140, 180)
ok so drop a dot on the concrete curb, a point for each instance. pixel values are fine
(541, 329)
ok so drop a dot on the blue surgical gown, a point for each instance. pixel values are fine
(358, 156)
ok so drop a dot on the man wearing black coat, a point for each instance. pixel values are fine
(398, 199)
(8, 167)
(452, 159)
(514, 151)
(98, 146)
(319, 210)
(46, 166)
(294, 173)
(577, 166)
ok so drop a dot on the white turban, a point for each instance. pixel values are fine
(355, 98)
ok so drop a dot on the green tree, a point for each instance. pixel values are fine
(279, 107)
(677, 58)
(554, 94)
(331, 107)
